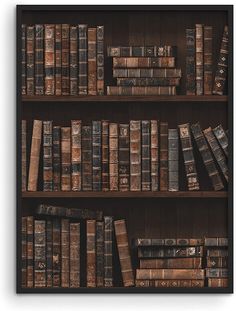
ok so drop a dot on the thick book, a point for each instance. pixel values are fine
(23, 156)
(56, 252)
(35, 155)
(221, 242)
(141, 51)
(141, 90)
(144, 62)
(105, 156)
(171, 263)
(83, 59)
(124, 165)
(23, 59)
(217, 262)
(58, 57)
(135, 155)
(173, 160)
(207, 59)
(65, 59)
(216, 252)
(170, 252)
(65, 158)
(30, 251)
(207, 157)
(222, 138)
(108, 252)
(216, 273)
(39, 253)
(154, 156)
(148, 81)
(100, 60)
(30, 57)
(47, 156)
(147, 73)
(100, 253)
(168, 242)
(49, 59)
(169, 283)
(113, 156)
(76, 158)
(91, 253)
(97, 155)
(217, 282)
(65, 253)
(199, 59)
(163, 156)
(74, 254)
(39, 59)
(145, 156)
(190, 62)
(56, 156)
(92, 61)
(168, 274)
(24, 252)
(49, 253)
(73, 60)
(189, 161)
(87, 158)
(124, 252)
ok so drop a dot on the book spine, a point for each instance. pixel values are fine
(47, 156)
(135, 155)
(190, 62)
(23, 252)
(105, 156)
(207, 60)
(222, 138)
(163, 156)
(140, 51)
(30, 83)
(30, 251)
(168, 274)
(86, 158)
(171, 263)
(58, 51)
(49, 253)
(74, 254)
(65, 59)
(34, 155)
(65, 253)
(216, 273)
(170, 252)
(154, 156)
(56, 149)
(123, 156)
(173, 160)
(23, 59)
(168, 242)
(141, 90)
(146, 156)
(56, 252)
(143, 62)
(97, 157)
(216, 242)
(92, 61)
(199, 59)
(170, 283)
(108, 253)
(113, 156)
(147, 73)
(100, 60)
(217, 262)
(23, 156)
(83, 60)
(149, 81)
(39, 253)
(217, 282)
(49, 62)
(65, 158)
(76, 158)
(73, 60)
(39, 60)
(100, 253)
(91, 253)
(216, 252)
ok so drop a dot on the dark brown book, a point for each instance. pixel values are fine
(76, 158)
(190, 62)
(173, 160)
(207, 59)
(87, 158)
(141, 51)
(222, 138)
(30, 251)
(146, 156)
(170, 252)
(144, 62)
(49, 253)
(105, 156)
(217, 282)
(113, 156)
(97, 155)
(199, 59)
(73, 60)
(147, 73)
(56, 252)
(39, 59)
(49, 59)
(23, 252)
(216, 273)
(216, 252)
(100, 60)
(91, 253)
(83, 60)
(100, 253)
(171, 263)
(65, 253)
(30, 42)
(56, 156)
(74, 255)
(217, 262)
(141, 90)
(168, 242)
(47, 156)
(169, 283)
(221, 242)
(154, 156)
(23, 59)
(135, 155)
(65, 59)
(168, 274)
(23, 156)
(148, 81)
(92, 61)
(58, 57)
(65, 158)
(39, 253)
(124, 169)
(163, 156)
(108, 253)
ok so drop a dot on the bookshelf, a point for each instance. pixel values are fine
(161, 214)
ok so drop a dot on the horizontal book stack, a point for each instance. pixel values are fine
(216, 262)
(144, 70)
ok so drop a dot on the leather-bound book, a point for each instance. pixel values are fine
(216, 273)
(146, 73)
(113, 156)
(144, 62)
(56, 155)
(154, 156)
(23, 59)
(190, 62)
(171, 263)
(124, 252)
(92, 61)
(163, 156)
(170, 252)
(49, 253)
(141, 90)
(217, 262)
(148, 81)
(222, 65)
(170, 283)
(65, 158)
(65, 59)
(23, 156)
(222, 138)
(108, 253)
(168, 274)
(39, 60)
(56, 252)
(23, 252)
(207, 157)
(217, 282)
(83, 60)
(207, 30)
(135, 155)
(30, 39)
(34, 155)
(173, 160)
(65, 253)
(100, 253)
(39, 253)
(91, 253)
(105, 156)
(139, 51)
(189, 161)
(168, 242)
(49, 59)
(97, 155)
(76, 157)
(146, 156)
(221, 242)
(47, 156)
(58, 59)
(100, 60)
(87, 158)
(124, 168)
(217, 152)
(216, 252)
(30, 251)
(74, 254)
(73, 60)
(199, 59)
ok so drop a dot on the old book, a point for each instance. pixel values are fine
(30, 39)
(30, 252)
(56, 252)
(34, 155)
(49, 253)
(135, 155)
(168, 274)
(190, 62)
(147, 73)
(144, 62)
(154, 156)
(146, 156)
(222, 138)
(105, 156)
(171, 263)
(168, 242)
(124, 252)
(23, 59)
(39, 253)
(217, 262)
(100, 253)
(73, 60)
(65, 59)
(56, 155)
(83, 60)
(216, 242)
(173, 160)
(97, 155)
(141, 90)
(216, 252)
(65, 253)
(74, 254)
(23, 156)
(58, 59)
(39, 60)
(170, 252)
(216, 273)
(23, 251)
(91, 253)
(207, 59)
(217, 152)
(92, 61)
(100, 60)
(169, 283)
(140, 51)
(113, 156)
(76, 157)
(163, 156)
(47, 156)
(217, 282)
(87, 158)
(108, 253)
(49, 59)
(222, 65)
(123, 156)
(207, 157)
(199, 59)
(189, 161)
(148, 81)
(65, 158)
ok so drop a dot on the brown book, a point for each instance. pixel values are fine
(83, 60)
(217, 282)
(222, 138)
(65, 59)
(154, 156)
(58, 66)
(148, 81)
(173, 160)
(96, 155)
(141, 51)
(76, 158)
(168, 242)
(73, 59)
(113, 156)
(171, 263)
(23, 156)
(108, 251)
(100, 253)
(145, 156)
(124, 168)
(190, 62)
(47, 156)
(23, 252)
(124, 252)
(65, 253)
(86, 158)
(30, 39)
(56, 252)
(56, 155)
(30, 251)
(39, 253)
(207, 60)
(163, 156)
(144, 62)
(105, 156)
(92, 61)
(217, 262)
(216, 252)
(216, 272)
(147, 73)
(34, 155)
(209, 242)
(135, 155)
(39, 60)
(100, 60)
(91, 253)
(141, 90)
(65, 158)
(23, 59)
(170, 252)
(199, 59)
(169, 283)
(168, 274)
(74, 255)
(49, 59)
(49, 253)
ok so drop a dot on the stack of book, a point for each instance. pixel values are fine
(144, 70)
(216, 262)
(170, 263)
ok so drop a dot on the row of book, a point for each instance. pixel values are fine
(139, 156)
(62, 59)
(199, 61)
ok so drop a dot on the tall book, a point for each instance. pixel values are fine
(100, 60)
(222, 138)
(49, 59)
(34, 155)
(135, 155)
(58, 59)
(56, 155)
(199, 59)
(173, 160)
(39, 253)
(124, 252)
(207, 157)
(30, 39)
(123, 157)
(49, 253)
(30, 252)
(65, 158)
(97, 155)
(65, 253)
(76, 157)
(65, 59)
(39, 60)
(207, 57)
(92, 61)
(23, 59)
(73, 60)
(74, 254)
(189, 161)
(23, 252)
(23, 156)
(163, 156)
(105, 156)
(56, 252)
(100, 253)
(47, 156)
(113, 156)
(146, 156)
(91, 253)
(190, 62)
(154, 156)
(86, 158)
(83, 60)
(108, 254)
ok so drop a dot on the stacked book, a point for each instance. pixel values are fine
(170, 263)
(144, 70)
(216, 262)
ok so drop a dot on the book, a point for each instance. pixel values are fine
(141, 90)
(144, 62)
(39, 59)
(216, 273)
(168, 242)
(217, 282)
(222, 138)
(76, 159)
(65, 158)
(47, 156)
(148, 81)
(97, 155)
(154, 156)
(65, 59)
(73, 59)
(92, 61)
(30, 252)
(135, 155)
(49, 59)
(23, 252)
(86, 158)
(147, 73)
(124, 165)
(100, 60)
(163, 156)
(189, 161)
(169, 252)
(105, 156)
(145, 156)
(217, 262)
(23, 156)
(65, 253)
(56, 155)
(124, 252)
(39, 253)
(74, 254)
(169, 283)
(49, 253)
(100, 253)
(30, 57)
(58, 58)
(108, 253)
(167, 274)
(199, 59)
(207, 157)
(141, 51)
(113, 156)
(216, 252)
(34, 155)
(173, 160)
(91, 253)
(83, 60)
(23, 59)
(190, 62)
(221, 242)
(56, 252)
(207, 59)
(171, 263)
